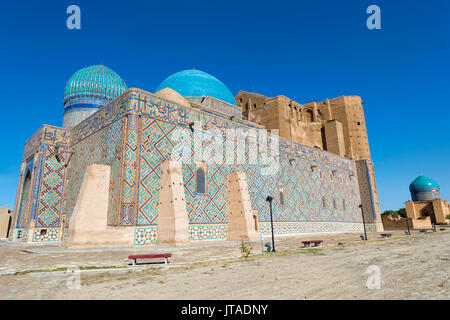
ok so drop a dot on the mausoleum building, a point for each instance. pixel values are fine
(192, 162)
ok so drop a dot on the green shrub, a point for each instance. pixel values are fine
(246, 249)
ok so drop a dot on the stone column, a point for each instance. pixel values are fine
(88, 223)
(173, 222)
(241, 223)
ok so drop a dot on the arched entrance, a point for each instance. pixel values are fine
(24, 218)
(428, 211)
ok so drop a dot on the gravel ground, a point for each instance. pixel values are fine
(414, 267)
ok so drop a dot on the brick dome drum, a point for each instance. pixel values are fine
(424, 189)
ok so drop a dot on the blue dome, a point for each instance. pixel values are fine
(98, 84)
(196, 83)
(88, 90)
(422, 182)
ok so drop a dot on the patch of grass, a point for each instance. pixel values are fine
(313, 251)
(39, 270)
(65, 269)
(139, 275)
(100, 268)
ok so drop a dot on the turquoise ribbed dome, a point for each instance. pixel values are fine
(196, 83)
(98, 82)
(422, 182)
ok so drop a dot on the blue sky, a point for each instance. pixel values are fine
(306, 50)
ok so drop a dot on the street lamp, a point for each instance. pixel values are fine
(407, 225)
(364, 222)
(269, 199)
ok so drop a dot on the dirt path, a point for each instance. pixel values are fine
(415, 267)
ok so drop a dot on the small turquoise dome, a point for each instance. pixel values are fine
(98, 82)
(422, 182)
(196, 83)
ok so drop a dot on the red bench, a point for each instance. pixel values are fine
(166, 256)
(386, 235)
(423, 230)
(310, 242)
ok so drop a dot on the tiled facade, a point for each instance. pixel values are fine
(133, 134)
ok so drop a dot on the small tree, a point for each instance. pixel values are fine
(389, 212)
(402, 212)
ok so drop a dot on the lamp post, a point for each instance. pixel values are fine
(364, 222)
(269, 199)
(407, 225)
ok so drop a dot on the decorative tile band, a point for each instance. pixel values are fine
(22, 235)
(286, 228)
(144, 236)
(208, 232)
(46, 235)
(147, 235)
(371, 227)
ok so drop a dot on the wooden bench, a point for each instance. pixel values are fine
(386, 235)
(166, 257)
(314, 242)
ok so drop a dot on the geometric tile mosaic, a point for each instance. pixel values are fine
(102, 147)
(207, 232)
(22, 235)
(52, 184)
(49, 236)
(288, 228)
(144, 236)
(147, 235)
(130, 171)
(305, 190)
